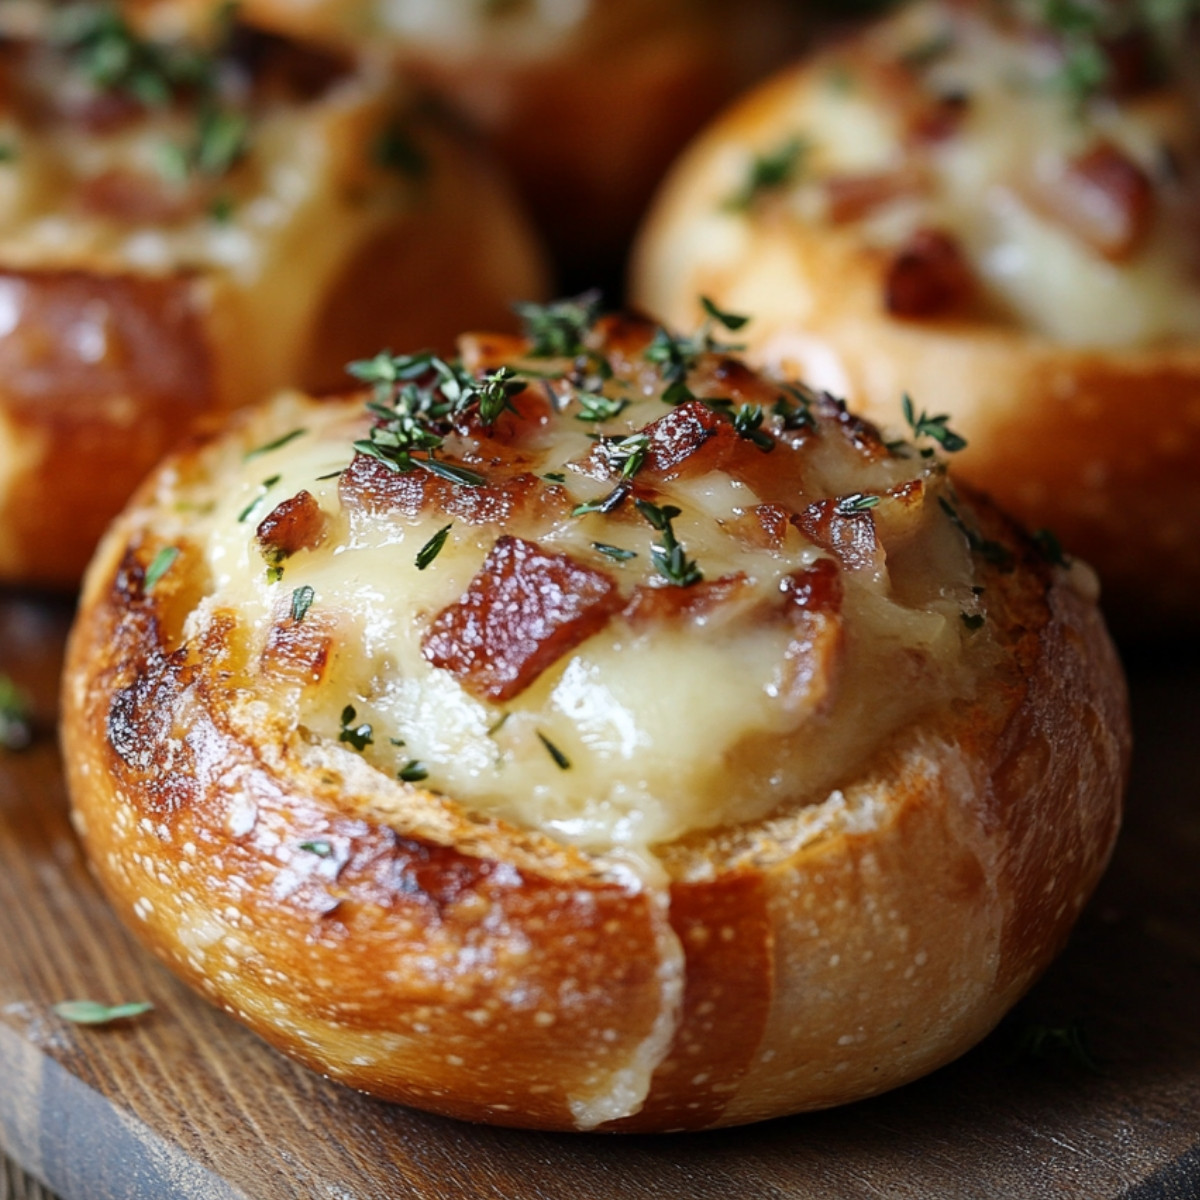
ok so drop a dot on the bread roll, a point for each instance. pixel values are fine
(586, 101)
(593, 735)
(945, 205)
(191, 228)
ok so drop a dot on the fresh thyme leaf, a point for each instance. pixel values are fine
(747, 423)
(221, 139)
(498, 724)
(276, 444)
(770, 171)
(675, 356)
(668, 556)
(937, 428)
(16, 724)
(605, 504)
(494, 393)
(321, 849)
(395, 150)
(263, 489)
(451, 471)
(433, 547)
(614, 552)
(555, 477)
(1051, 548)
(594, 407)
(858, 502)
(413, 771)
(8, 152)
(558, 329)
(92, 1012)
(677, 393)
(794, 408)
(160, 564)
(972, 621)
(628, 454)
(360, 736)
(221, 210)
(302, 599)
(730, 321)
(561, 761)
(274, 573)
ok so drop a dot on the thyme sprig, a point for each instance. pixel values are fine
(937, 428)
(558, 329)
(416, 398)
(993, 552)
(676, 354)
(770, 171)
(668, 555)
(16, 722)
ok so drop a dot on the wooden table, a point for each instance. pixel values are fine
(185, 1103)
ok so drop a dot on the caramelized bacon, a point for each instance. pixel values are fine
(650, 604)
(860, 433)
(294, 524)
(812, 600)
(927, 277)
(373, 487)
(1104, 198)
(764, 526)
(523, 610)
(848, 535)
(297, 652)
(938, 119)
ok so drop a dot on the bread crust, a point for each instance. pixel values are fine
(404, 943)
(1094, 442)
(106, 361)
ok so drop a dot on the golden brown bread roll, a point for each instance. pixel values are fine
(190, 230)
(586, 101)
(594, 734)
(943, 205)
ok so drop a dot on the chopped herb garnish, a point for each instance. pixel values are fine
(16, 725)
(605, 504)
(274, 573)
(769, 172)
(614, 552)
(433, 547)
(263, 488)
(555, 477)
(8, 152)
(92, 1012)
(276, 444)
(794, 408)
(221, 210)
(321, 849)
(561, 761)
(302, 599)
(628, 454)
(730, 321)
(221, 139)
(1051, 548)
(993, 552)
(331, 474)
(747, 423)
(413, 771)
(160, 564)
(395, 150)
(594, 407)
(498, 724)
(668, 556)
(360, 736)
(936, 428)
(859, 502)
(558, 329)
(972, 621)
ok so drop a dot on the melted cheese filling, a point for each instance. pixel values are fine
(1018, 130)
(663, 728)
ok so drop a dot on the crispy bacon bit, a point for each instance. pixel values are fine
(524, 609)
(927, 277)
(650, 605)
(764, 526)
(861, 434)
(296, 652)
(294, 524)
(1103, 198)
(813, 605)
(852, 197)
(848, 535)
(939, 119)
(678, 436)
(373, 487)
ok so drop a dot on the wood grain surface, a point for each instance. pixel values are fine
(185, 1103)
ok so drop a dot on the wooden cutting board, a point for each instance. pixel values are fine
(185, 1103)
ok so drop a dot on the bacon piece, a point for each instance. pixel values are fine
(373, 487)
(812, 603)
(294, 524)
(938, 119)
(523, 610)
(852, 197)
(297, 652)
(1104, 198)
(848, 535)
(677, 438)
(764, 526)
(650, 604)
(861, 434)
(927, 277)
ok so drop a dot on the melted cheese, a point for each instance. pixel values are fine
(668, 725)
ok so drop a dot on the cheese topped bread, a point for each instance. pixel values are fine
(592, 732)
